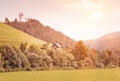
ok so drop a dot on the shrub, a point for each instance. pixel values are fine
(33, 59)
(23, 47)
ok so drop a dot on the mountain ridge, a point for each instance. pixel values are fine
(46, 33)
(108, 41)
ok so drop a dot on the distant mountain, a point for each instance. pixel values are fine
(13, 36)
(108, 41)
(38, 30)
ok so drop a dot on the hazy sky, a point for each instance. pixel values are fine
(79, 19)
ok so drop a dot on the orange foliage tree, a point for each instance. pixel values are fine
(80, 50)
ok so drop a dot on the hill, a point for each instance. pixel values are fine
(108, 41)
(13, 36)
(35, 28)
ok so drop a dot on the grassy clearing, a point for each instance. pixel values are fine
(73, 75)
(15, 37)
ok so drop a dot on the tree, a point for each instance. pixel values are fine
(83, 54)
(33, 49)
(109, 59)
(47, 61)
(80, 50)
(95, 56)
(1, 61)
(1, 64)
(15, 20)
(7, 21)
(23, 47)
(13, 58)
(33, 59)
(22, 59)
(62, 58)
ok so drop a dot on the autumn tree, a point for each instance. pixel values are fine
(94, 56)
(109, 59)
(82, 54)
(80, 50)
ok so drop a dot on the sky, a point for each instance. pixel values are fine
(78, 19)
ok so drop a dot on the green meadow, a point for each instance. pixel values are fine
(67, 75)
(15, 37)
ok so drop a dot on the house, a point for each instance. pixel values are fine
(56, 45)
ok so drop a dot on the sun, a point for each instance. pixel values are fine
(84, 1)
(97, 15)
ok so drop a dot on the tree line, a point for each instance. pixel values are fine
(28, 58)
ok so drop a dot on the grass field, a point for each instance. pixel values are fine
(15, 37)
(73, 75)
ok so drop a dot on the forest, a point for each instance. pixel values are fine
(33, 58)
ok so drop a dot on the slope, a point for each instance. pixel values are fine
(108, 41)
(13, 36)
(35, 28)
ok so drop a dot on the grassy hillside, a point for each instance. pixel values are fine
(13, 36)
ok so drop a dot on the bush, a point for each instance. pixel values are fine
(62, 58)
(33, 59)
(13, 58)
(23, 47)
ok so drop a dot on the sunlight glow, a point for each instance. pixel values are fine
(84, 1)
(97, 15)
